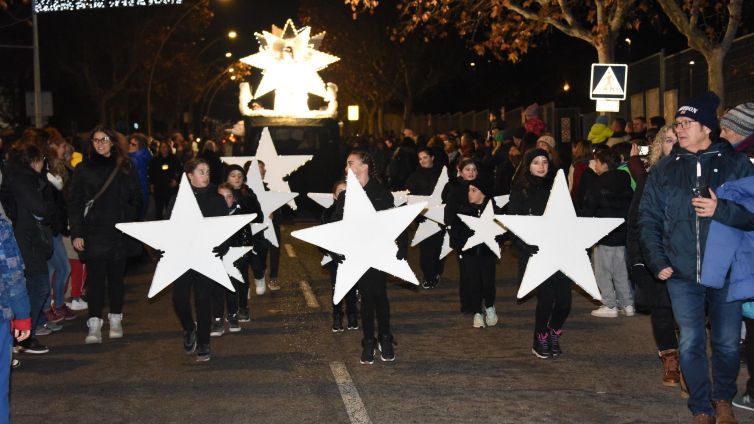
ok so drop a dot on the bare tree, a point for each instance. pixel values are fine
(710, 28)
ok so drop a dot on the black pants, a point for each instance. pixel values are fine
(373, 289)
(429, 256)
(222, 298)
(160, 204)
(749, 347)
(202, 302)
(103, 272)
(258, 261)
(663, 328)
(242, 287)
(350, 298)
(553, 303)
(479, 272)
(464, 289)
(274, 252)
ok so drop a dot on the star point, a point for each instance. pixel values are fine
(485, 230)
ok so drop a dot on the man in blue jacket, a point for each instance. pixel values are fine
(674, 217)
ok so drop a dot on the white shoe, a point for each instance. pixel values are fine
(490, 316)
(261, 286)
(116, 326)
(77, 305)
(478, 321)
(629, 311)
(95, 331)
(605, 312)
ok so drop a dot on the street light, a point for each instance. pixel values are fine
(566, 87)
(232, 34)
(228, 54)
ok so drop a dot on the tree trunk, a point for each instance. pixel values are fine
(715, 74)
(606, 50)
(407, 109)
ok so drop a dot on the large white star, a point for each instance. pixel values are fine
(562, 238)
(323, 199)
(270, 201)
(187, 239)
(485, 229)
(277, 167)
(435, 209)
(365, 237)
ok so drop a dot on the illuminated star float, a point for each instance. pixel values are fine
(289, 61)
(187, 239)
(562, 238)
(270, 201)
(365, 237)
(435, 211)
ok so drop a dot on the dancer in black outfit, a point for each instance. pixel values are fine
(373, 284)
(529, 196)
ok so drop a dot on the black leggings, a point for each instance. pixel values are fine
(101, 272)
(274, 251)
(663, 328)
(350, 298)
(553, 303)
(373, 288)
(202, 302)
(479, 276)
(429, 256)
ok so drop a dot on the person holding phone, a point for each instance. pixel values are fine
(674, 220)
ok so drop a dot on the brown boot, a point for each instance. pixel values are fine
(724, 412)
(702, 418)
(672, 375)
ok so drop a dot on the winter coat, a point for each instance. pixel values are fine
(14, 301)
(599, 133)
(402, 164)
(35, 208)
(610, 197)
(422, 181)
(246, 203)
(671, 233)
(59, 219)
(583, 178)
(734, 248)
(648, 290)
(746, 146)
(215, 166)
(120, 202)
(163, 170)
(528, 199)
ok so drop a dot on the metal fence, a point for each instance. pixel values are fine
(656, 85)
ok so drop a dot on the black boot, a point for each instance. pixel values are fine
(337, 322)
(367, 353)
(353, 322)
(387, 354)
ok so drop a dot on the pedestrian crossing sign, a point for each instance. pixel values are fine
(608, 81)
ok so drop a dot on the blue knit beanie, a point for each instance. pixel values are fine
(702, 109)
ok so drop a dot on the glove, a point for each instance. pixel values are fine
(421, 218)
(336, 257)
(531, 250)
(159, 253)
(499, 239)
(221, 250)
(402, 253)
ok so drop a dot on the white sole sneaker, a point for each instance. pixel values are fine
(478, 321)
(261, 287)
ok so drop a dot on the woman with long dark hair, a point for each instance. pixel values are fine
(373, 284)
(104, 191)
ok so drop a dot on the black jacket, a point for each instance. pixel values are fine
(423, 180)
(529, 198)
(246, 203)
(162, 170)
(671, 233)
(610, 197)
(34, 209)
(120, 202)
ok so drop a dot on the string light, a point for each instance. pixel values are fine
(42, 6)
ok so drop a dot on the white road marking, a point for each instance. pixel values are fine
(289, 250)
(351, 399)
(311, 299)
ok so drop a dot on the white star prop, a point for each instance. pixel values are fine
(435, 209)
(562, 238)
(270, 201)
(365, 237)
(446, 249)
(485, 229)
(400, 198)
(323, 199)
(257, 227)
(234, 254)
(502, 200)
(187, 239)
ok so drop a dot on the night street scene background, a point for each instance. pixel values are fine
(114, 111)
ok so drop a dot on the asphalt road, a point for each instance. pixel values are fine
(286, 366)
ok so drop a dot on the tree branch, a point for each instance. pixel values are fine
(573, 31)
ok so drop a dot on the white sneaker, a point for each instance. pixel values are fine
(95, 330)
(490, 316)
(605, 312)
(77, 305)
(116, 326)
(629, 311)
(478, 321)
(261, 286)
